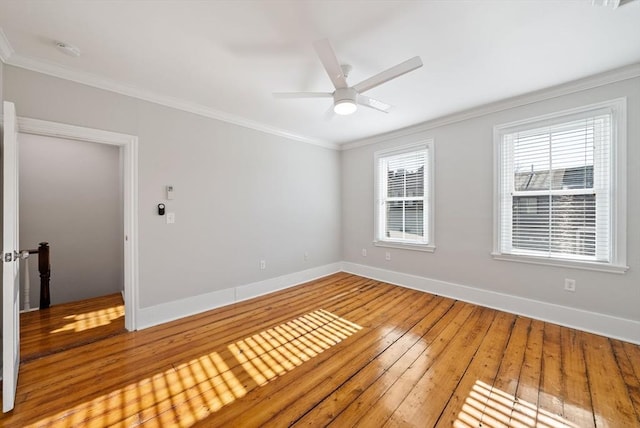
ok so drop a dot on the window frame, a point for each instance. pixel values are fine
(379, 212)
(617, 189)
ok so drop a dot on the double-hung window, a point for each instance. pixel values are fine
(403, 211)
(560, 187)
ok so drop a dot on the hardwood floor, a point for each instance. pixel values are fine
(339, 351)
(68, 325)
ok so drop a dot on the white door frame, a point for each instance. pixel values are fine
(128, 145)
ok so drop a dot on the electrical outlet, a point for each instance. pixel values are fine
(364, 252)
(263, 264)
(387, 255)
(569, 284)
(306, 256)
(171, 218)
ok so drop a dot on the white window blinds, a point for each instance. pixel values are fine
(403, 195)
(556, 189)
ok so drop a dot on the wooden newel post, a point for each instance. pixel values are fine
(45, 274)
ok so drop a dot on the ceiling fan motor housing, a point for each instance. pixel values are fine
(344, 99)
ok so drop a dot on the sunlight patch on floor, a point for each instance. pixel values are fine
(490, 407)
(287, 346)
(187, 393)
(89, 320)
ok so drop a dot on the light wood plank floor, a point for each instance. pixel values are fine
(68, 325)
(340, 351)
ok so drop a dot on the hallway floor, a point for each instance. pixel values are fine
(70, 325)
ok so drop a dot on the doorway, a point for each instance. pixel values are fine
(71, 198)
(126, 146)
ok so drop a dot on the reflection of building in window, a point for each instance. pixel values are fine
(561, 223)
(403, 195)
(561, 178)
(405, 219)
(561, 188)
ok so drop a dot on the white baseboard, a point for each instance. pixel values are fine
(170, 311)
(249, 291)
(165, 312)
(606, 325)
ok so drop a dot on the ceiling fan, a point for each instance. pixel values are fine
(346, 98)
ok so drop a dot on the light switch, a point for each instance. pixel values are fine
(170, 193)
(171, 218)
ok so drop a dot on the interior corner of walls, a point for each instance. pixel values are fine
(171, 311)
(592, 322)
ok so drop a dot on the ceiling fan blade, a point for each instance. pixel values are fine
(302, 94)
(392, 73)
(330, 62)
(374, 104)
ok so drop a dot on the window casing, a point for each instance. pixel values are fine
(560, 189)
(403, 200)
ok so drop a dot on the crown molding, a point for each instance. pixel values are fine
(29, 125)
(612, 76)
(6, 51)
(9, 57)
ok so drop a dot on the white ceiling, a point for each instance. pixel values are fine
(225, 58)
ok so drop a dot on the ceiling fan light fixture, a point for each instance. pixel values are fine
(345, 107)
(344, 101)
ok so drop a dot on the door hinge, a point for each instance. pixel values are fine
(11, 257)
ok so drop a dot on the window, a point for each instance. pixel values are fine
(561, 189)
(403, 197)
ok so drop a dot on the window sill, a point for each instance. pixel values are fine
(428, 248)
(573, 264)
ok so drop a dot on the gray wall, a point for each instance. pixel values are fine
(241, 195)
(464, 214)
(70, 197)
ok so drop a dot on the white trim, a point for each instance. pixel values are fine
(129, 146)
(573, 264)
(619, 182)
(428, 145)
(28, 125)
(617, 186)
(497, 185)
(176, 309)
(562, 115)
(8, 56)
(165, 312)
(603, 324)
(99, 82)
(6, 51)
(429, 248)
(249, 291)
(608, 77)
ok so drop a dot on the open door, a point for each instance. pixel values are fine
(10, 260)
